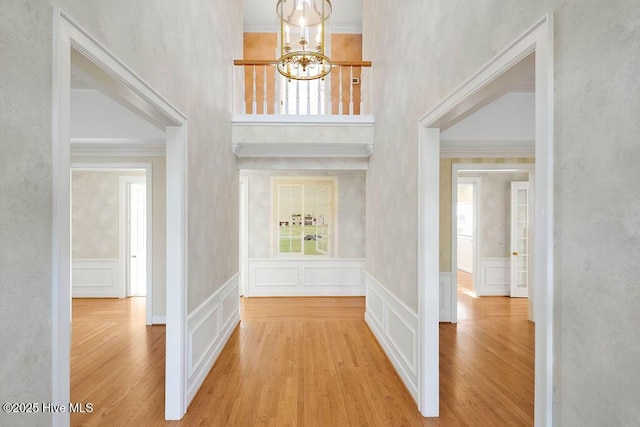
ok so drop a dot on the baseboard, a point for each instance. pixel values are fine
(159, 320)
(208, 329)
(395, 326)
(305, 277)
(95, 278)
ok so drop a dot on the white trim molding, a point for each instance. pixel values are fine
(74, 47)
(472, 92)
(495, 277)
(118, 147)
(395, 326)
(288, 136)
(96, 278)
(209, 327)
(159, 320)
(305, 277)
(477, 153)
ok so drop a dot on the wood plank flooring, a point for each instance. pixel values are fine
(304, 362)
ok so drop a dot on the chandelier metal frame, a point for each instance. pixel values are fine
(305, 17)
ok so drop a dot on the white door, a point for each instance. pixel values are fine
(520, 239)
(137, 239)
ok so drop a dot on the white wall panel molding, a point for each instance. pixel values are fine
(395, 326)
(208, 329)
(306, 277)
(486, 152)
(446, 289)
(304, 164)
(495, 277)
(96, 278)
(313, 136)
(118, 147)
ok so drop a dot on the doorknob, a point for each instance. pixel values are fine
(515, 253)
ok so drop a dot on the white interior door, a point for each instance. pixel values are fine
(137, 239)
(520, 259)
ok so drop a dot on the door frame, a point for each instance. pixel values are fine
(538, 39)
(476, 183)
(456, 168)
(513, 241)
(147, 167)
(125, 233)
(68, 36)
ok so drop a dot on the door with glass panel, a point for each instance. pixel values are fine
(520, 243)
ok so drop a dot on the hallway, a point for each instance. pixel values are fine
(305, 361)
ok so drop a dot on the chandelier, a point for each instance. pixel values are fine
(302, 33)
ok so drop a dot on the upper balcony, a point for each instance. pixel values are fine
(275, 117)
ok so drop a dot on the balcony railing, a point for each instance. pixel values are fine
(261, 90)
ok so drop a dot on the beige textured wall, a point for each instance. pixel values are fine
(494, 225)
(185, 52)
(350, 211)
(446, 169)
(95, 222)
(423, 50)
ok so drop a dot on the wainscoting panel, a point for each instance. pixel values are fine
(208, 329)
(305, 277)
(273, 275)
(95, 278)
(495, 277)
(446, 288)
(395, 326)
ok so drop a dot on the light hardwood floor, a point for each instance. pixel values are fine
(304, 362)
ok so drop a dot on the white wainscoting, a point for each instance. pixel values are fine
(396, 328)
(306, 277)
(446, 306)
(208, 329)
(495, 277)
(95, 278)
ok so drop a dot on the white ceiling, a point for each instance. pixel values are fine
(261, 16)
(95, 115)
(503, 121)
(508, 119)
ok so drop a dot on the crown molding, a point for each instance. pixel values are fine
(306, 150)
(486, 153)
(118, 147)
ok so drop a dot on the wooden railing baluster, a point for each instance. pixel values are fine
(264, 87)
(351, 90)
(283, 103)
(340, 91)
(254, 104)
